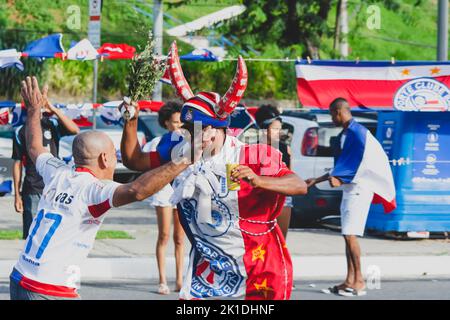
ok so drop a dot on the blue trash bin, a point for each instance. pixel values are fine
(422, 179)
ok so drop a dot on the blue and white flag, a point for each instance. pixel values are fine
(10, 58)
(363, 161)
(110, 113)
(45, 47)
(200, 55)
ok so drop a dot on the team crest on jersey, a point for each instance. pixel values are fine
(215, 272)
(221, 217)
(189, 115)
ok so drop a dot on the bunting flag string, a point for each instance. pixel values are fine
(51, 47)
(14, 114)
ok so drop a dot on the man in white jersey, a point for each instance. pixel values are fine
(73, 205)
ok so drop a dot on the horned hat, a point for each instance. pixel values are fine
(206, 107)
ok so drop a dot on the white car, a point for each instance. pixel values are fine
(309, 134)
(6, 165)
(121, 174)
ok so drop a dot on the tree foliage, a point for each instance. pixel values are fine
(267, 29)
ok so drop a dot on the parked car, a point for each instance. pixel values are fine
(309, 134)
(149, 125)
(6, 163)
(122, 174)
(148, 128)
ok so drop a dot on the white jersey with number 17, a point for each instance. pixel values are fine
(69, 215)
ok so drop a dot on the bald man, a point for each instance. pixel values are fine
(356, 199)
(72, 207)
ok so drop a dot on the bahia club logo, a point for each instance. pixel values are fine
(422, 94)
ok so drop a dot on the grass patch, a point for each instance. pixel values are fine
(101, 235)
(113, 234)
(10, 235)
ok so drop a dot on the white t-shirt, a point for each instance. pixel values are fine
(69, 215)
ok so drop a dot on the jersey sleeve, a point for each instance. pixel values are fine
(47, 166)
(18, 147)
(264, 160)
(99, 196)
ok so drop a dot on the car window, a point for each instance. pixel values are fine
(287, 133)
(100, 124)
(150, 126)
(327, 132)
(251, 135)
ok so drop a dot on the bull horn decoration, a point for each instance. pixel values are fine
(234, 94)
(231, 98)
(176, 74)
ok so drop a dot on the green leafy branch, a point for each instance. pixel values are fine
(144, 72)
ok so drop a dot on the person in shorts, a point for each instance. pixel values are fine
(168, 118)
(355, 205)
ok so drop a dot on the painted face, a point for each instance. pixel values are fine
(174, 123)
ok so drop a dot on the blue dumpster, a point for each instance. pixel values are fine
(418, 145)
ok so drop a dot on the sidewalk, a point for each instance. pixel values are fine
(315, 253)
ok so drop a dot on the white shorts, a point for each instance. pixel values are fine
(355, 207)
(162, 197)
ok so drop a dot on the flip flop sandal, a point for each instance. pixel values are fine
(163, 289)
(350, 292)
(331, 290)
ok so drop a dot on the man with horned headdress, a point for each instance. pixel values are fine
(238, 250)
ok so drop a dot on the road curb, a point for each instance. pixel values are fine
(305, 267)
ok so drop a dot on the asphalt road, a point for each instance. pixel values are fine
(424, 289)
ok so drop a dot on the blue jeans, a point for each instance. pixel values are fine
(30, 206)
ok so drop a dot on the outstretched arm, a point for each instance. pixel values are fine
(32, 97)
(334, 181)
(132, 155)
(70, 126)
(313, 181)
(147, 184)
(289, 185)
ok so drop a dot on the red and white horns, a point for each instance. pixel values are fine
(231, 98)
(234, 94)
(176, 74)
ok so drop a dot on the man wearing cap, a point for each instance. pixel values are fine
(238, 250)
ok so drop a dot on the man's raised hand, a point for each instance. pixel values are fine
(31, 94)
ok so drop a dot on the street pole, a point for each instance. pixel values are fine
(343, 44)
(337, 28)
(442, 51)
(94, 94)
(158, 36)
(94, 27)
